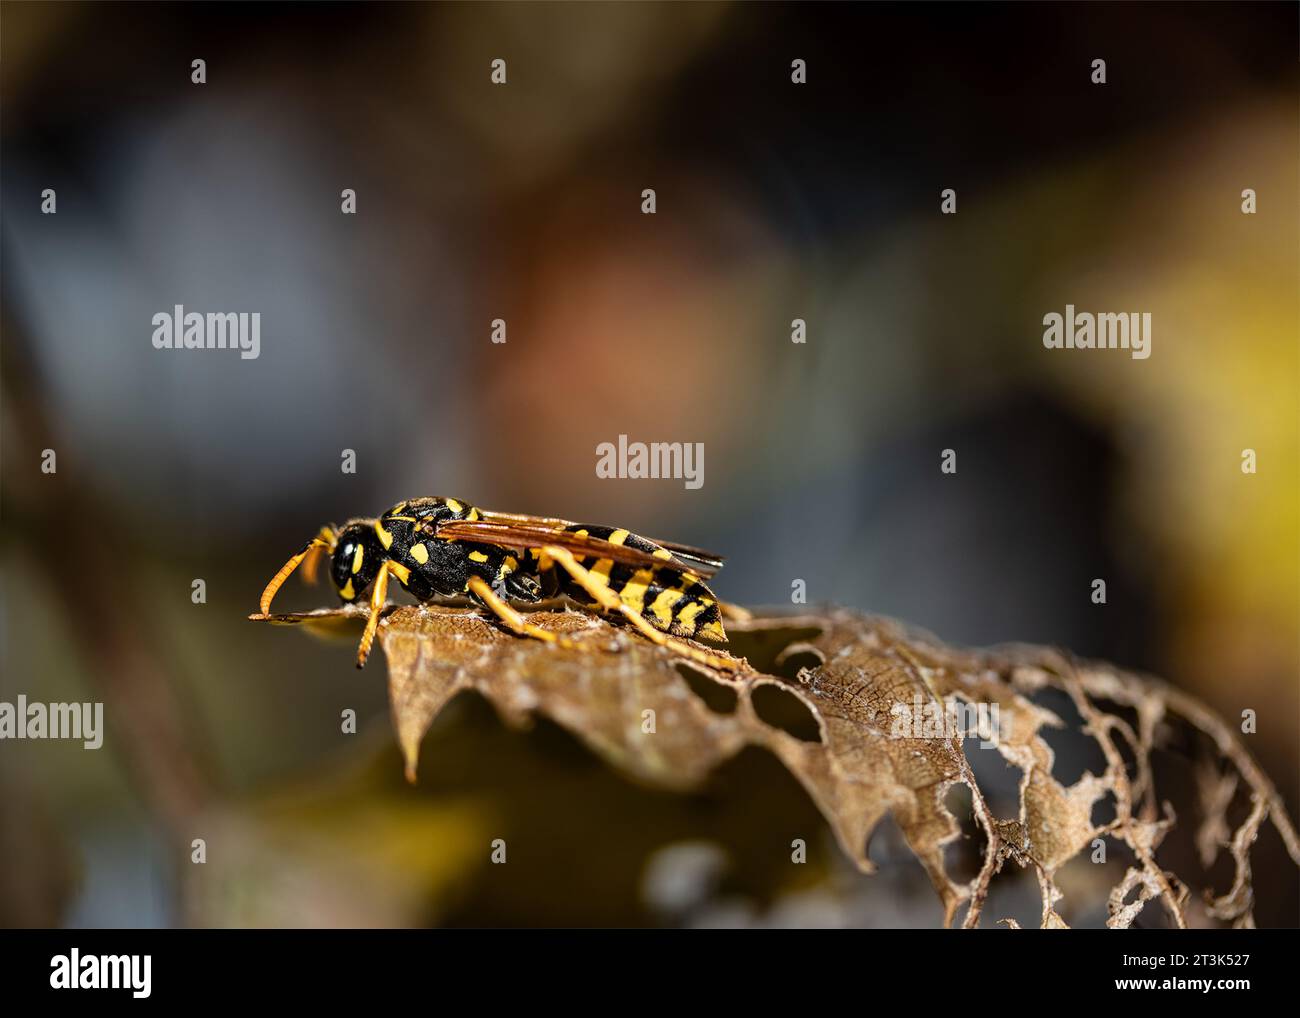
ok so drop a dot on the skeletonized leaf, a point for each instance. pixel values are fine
(860, 710)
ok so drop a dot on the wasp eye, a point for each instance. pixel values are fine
(341, 567)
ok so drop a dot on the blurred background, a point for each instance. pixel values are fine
(522, 202)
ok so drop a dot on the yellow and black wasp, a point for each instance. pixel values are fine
(445, 547)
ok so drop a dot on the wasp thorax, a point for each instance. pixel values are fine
(357, 558)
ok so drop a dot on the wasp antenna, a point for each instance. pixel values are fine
(286, 570)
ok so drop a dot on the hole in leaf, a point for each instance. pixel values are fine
(1103, 810)
(1085, 882)
(781, 709)
(998, 778)
(718, 698)
(964, 856)
(1074, 750)
(1127, 752)
(1128, 715)
(886, 845)
(797, 657)
(1152, 916)
(1013, 894)
(763, 645)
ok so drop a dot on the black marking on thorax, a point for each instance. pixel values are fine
(431, 565)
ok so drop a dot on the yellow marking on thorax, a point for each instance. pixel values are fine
(663, 553)
(356, 558)
(472, 515)
(420, 553)
(346, 590)
(477, 556)
(618, 537)
(453, 505)
(634, 591)
(662, 608)
(507, 567)
(385, 538)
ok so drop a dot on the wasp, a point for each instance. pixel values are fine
(446, 547)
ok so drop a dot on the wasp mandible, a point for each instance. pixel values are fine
(444, 547)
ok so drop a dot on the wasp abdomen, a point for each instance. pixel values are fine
(672, 601)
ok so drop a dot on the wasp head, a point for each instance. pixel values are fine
(356, 561)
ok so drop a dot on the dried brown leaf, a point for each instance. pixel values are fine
(632, 703)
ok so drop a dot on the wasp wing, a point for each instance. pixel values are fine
(523, 518)
(703, 563)
(509, 530)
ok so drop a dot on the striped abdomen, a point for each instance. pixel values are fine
(670, 600)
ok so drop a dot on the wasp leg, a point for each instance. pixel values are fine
(517, 623)
(325, 539)
(610, 601)
(734, 611)
(378, 597)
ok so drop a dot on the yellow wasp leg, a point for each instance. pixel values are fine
(325, 539)
(378, 597)
(610, 601)
(517, 623)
